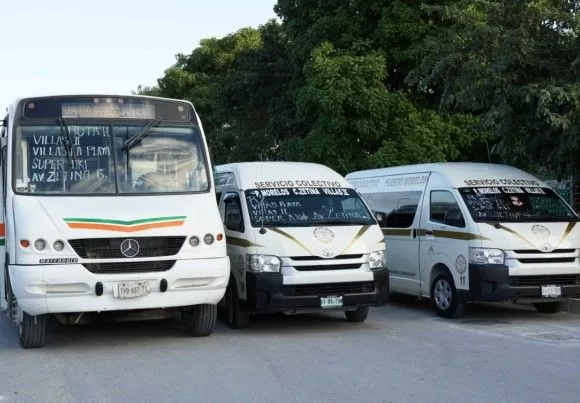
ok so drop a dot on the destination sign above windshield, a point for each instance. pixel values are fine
(106, 107)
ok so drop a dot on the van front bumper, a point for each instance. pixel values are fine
(266, 293)
(492, 283)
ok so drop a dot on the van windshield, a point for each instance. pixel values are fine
(306, 207)
(515, 204)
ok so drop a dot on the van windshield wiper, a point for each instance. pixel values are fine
(145, 131)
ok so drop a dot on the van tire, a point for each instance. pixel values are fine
(444, 297)
(548, 307)
(199, 320)
(236, 316)
(358, 316)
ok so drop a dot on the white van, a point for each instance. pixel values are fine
(299, 239)
(462, 232)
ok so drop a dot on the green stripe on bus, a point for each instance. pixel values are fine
(127, 223)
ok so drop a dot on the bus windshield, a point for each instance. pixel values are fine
(306, 207)
(103, 159)
(516, 204)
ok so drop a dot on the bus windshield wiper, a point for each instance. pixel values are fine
(65, 133)
(145, 131)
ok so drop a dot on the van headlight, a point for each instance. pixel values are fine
(486, 256)
(264, 264)
(376, 260)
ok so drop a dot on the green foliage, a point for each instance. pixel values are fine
(516, 65)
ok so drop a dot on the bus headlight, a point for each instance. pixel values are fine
(40, 244)
(264, 264)
(376, 260)
(58, 245)
(486, 256)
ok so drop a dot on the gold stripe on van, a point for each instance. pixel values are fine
(513, 232)
(360, 233)
(569, 229)
(396, 232)
(463, 236)
(290, 237)
(244, 243)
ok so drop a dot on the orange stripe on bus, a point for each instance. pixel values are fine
(2, 229)
(120, 228)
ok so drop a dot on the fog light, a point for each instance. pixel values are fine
(194, 241)
(208, 239)
(40, 244)
(58, 245)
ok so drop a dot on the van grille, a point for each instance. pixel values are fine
(321, 290)
(532, 251)
(547, 260)
(328, 267)
(562, 279)
(306, 258)
(110, 248)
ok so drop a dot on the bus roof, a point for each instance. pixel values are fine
(459, 174)
(281, 174)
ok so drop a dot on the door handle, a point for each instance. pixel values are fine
(414, 233)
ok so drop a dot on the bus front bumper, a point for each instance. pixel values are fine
(41, 289)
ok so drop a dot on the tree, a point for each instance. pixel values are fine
(516, 65)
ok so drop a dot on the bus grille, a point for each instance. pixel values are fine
(110, 248)
(299, 290)
(129, 267)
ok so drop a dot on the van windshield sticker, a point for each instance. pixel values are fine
(304, 206)
(297, 183)
(500, 182)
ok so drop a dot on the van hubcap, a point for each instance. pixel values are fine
(442, 294)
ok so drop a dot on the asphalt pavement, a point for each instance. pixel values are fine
(402, 353)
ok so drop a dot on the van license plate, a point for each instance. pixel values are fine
(551, 291)
(331, 302)
(133, 289)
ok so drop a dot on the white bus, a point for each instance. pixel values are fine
(463, 232)
(108, 205)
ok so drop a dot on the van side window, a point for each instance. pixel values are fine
(444, 209)
(399, 208)
(233, 220)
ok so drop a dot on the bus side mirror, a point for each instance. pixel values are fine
(230, 197)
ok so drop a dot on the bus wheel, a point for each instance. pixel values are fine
(444, 296)
(547, 307)
(360, 315)
(237, 317)
(199, 320)
(31, 329)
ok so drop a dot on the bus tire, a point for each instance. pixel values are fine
(444, 296)
(199, 320)
(358, 316)
(236, 316)
(32, 330)
(547, 307)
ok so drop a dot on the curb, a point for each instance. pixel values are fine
(572, 306)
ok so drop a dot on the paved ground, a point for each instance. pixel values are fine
(402, 353)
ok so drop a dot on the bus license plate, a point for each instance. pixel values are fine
(330, 302)
(551, 291)
(133, 289)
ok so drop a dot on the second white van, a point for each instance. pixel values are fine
(461, 232)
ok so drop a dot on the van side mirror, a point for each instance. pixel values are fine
(230, 197)
(234, 222)
(380, 217)
(454, 218)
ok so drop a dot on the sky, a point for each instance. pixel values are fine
(107, 46)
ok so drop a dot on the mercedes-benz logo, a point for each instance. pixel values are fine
(129, 248)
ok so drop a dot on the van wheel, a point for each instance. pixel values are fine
(199, 320)
(547, 307)
(237, 317)
(360, 315)
(444, 296)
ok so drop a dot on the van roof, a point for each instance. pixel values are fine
(280, 174)
(460, 174)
